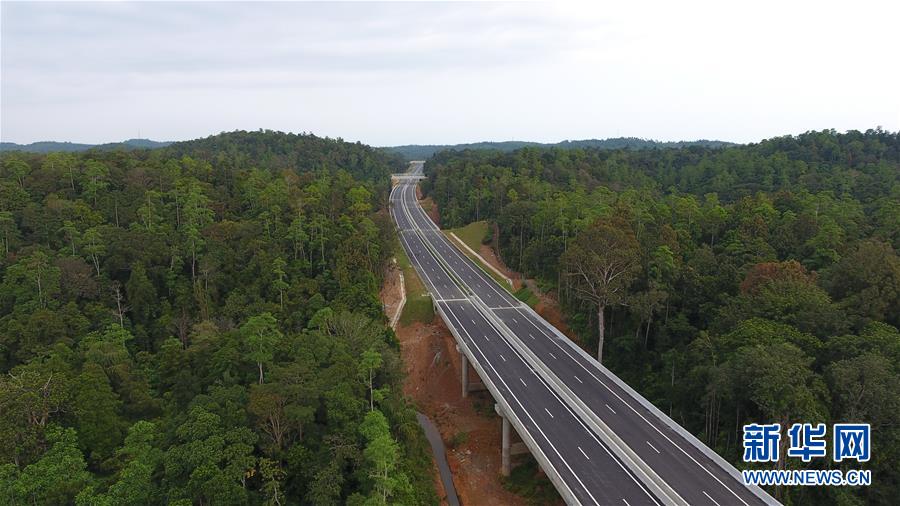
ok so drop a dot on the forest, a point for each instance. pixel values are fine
(200, 324)
(423, 151)
(729, 285)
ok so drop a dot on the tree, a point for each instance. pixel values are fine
(866, 388)
(370, 362)
(272, 475)
(261, 335)
(135, 484)
(267, 404)
(779, 381)
(97, 406)
(867, 282)
(148, 210)
(602, 261)
(32, 282)
(784, 292)
(95, 179)
(8, 225)
(196, 216)
(280, 284)
(381, 456)
(71, 232)
(58, 475)
(59, 162)
(94, 246)
(32, 396)
(209, 462)
(298, 236)
(18, 168)
(141, 294)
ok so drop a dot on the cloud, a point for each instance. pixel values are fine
(443, 72)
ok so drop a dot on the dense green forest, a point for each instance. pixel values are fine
(423, 151)
(756, 283)
(199, 324)
(51, 146)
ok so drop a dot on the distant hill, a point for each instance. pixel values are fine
(48, 146)
(273, 150)
(421, 152)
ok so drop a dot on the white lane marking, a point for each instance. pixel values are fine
(567, 409)
(651, 446)
(531, 335)
(552, 355)
(458, 257)
(611, 409)
(547, 439)
(418, 264)
(582, 452)
(504, 358)
(549, 413)
(515, 321)
(642, 417)
(473, 322)
(523, 382)
(504, 296)
(488, 338)
(576, 377)
(626, 502)
(710, 498)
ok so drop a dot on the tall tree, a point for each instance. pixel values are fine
(370, 363)
(602, 261)
(94, 246)
(59, 474)
(97, 406)
(261, 335)
(280, 284)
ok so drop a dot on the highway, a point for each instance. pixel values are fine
(693, 473)
(595, 475)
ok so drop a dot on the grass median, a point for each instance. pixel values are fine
(418, 306)
(473, 235)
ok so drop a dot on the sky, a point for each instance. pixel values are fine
(445, 73)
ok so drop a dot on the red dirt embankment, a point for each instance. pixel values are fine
(469, 426)
(432, 381)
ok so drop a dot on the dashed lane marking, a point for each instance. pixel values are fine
(710, 498)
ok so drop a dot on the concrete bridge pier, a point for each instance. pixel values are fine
(464, 374)
(507, 447)
(467, 384)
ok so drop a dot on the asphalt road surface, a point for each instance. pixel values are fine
(591, 472)
(692, 474)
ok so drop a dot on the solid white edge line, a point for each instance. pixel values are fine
(627, 404)
(631, 474)
(522, 407)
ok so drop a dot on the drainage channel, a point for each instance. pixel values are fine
(440, 456)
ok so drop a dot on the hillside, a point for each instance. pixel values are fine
(239, 150)
(753, 284)
(71, 147)
(422, 152)
(183, 326)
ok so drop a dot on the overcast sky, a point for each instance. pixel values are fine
(404, 73)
